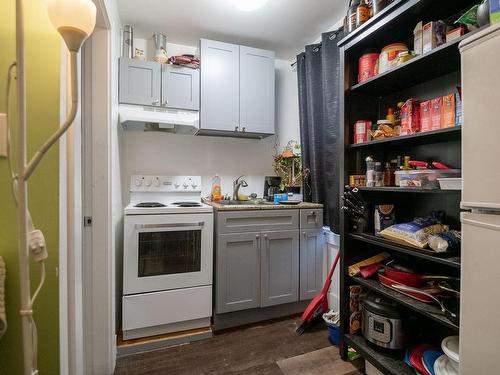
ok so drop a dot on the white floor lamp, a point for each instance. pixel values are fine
(75, 21)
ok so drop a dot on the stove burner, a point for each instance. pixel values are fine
(187, 204)
(149, 204)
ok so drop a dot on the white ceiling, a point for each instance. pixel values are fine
(284, 26)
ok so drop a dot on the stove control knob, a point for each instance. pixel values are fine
(157, 182)
(148, 182)
(138, 181)
(176, 185)
(193, 185)
(185, 185)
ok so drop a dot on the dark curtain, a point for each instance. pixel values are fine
(318, 73)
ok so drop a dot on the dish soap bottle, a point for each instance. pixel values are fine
(216, 194)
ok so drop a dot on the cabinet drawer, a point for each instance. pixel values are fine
(256, 221)
(311, 219)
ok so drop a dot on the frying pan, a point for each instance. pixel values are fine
(414, 280)
(450, 307)
(415, 293)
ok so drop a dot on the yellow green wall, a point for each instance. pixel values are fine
(42, 71)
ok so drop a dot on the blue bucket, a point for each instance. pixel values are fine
(334, 332)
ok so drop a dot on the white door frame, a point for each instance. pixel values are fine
(86, 257)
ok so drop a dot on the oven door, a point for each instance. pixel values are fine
(163, 252)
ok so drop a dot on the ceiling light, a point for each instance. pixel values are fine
(249, 5)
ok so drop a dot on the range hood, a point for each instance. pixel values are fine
(139, 118)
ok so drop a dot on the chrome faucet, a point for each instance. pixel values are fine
(239, 182)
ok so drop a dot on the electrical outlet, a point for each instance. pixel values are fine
(3, 135)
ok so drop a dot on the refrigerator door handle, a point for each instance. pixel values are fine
(466, 219)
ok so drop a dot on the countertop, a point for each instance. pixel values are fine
(264, 206)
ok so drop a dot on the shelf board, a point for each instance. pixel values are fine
(453, 261)
(397, 24)
(441, 135)
(395, 189)
(440, 61)
(385, 363)
(425, 309)
(384, 12)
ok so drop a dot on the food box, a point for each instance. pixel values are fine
(362, 129)
(494, 11)
(410, 117)
(436, 105)
(458, 106)
(455, 34)
(425, 178)
(417, 38)
(448, 111)
(425, 116)
(384, 217)
(434, 34)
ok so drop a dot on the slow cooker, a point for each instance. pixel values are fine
(384, 323)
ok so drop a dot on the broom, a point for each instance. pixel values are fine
(319, 303)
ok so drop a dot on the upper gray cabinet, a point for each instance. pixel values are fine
(180, 87)
(256, 90)
(237, 89)
(220, 86)
(139, 82)
(160, 85)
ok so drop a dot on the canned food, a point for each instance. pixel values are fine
(362, 130)
(368, 66)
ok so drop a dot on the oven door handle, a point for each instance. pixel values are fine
(171, 226)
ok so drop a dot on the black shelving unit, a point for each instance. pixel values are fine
(430, 75)
(449, 261)
(383, 362)
(394, 189)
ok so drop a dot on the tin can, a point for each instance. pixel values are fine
(128, 41)
(361, 131)
(367, 66)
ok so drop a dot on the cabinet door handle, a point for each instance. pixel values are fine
(156, 102)
(304, 233)
(236, 128)
(244, 129)
(165, 102)
(265, 235)
(257, 236)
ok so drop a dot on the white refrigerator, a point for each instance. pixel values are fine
(480, 274)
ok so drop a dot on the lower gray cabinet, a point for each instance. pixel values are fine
(311, 262)
(279, 267)
(238, 271)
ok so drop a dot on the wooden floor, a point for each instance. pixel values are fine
(247, 351)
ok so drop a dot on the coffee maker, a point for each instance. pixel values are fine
(271, 187)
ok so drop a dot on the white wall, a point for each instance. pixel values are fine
(171, 154)
(287, 103)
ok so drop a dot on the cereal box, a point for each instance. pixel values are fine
(436, 105)
(448, 111)
(425, 116)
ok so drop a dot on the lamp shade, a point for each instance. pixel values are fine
(72, 14)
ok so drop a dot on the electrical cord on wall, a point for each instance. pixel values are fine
(36, 240)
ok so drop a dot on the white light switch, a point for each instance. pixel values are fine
(3, 135)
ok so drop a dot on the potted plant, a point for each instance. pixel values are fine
(288, 165)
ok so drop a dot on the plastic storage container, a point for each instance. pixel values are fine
(424, 178)
(450, 183)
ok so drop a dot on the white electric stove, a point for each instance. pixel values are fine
(168, 257)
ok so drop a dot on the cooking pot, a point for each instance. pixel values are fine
(384, 323)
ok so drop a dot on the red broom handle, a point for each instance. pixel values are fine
(330, 274)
